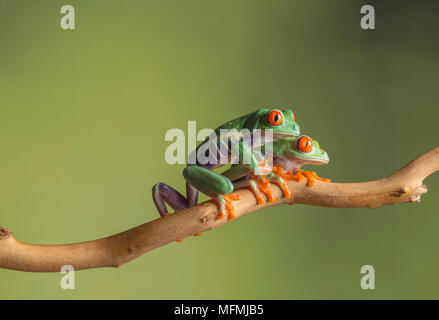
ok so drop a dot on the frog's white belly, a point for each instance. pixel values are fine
(288, 164)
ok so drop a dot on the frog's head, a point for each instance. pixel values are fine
(301, 151)
(307, 150)
(282, 122)
(292, 153)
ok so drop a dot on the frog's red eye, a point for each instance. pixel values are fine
(294, 115)
(304, 144)
(275, 117)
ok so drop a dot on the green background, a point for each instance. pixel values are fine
(83, 115)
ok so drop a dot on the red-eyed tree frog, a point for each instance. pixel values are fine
(274, 123)
(289, 155)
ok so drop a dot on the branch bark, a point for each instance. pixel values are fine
(405, 185)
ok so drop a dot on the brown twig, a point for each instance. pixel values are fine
(406, 185)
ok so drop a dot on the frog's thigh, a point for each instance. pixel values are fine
(207, 181)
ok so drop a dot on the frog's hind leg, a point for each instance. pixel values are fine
(224, 204)
(191, 194)
(264, 187)
(280, 178)
(214, 185)
(258, 188)
(253, 186)
(161, 193)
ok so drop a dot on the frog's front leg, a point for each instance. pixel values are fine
(280, 178)
(214, 185)
(259, 167)
(161, 193)
(311, 177)
(277, 176)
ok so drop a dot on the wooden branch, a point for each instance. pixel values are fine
(406, 185)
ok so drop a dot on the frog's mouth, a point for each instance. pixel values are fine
(294, 163)
(279, 135)
(273, 136)
(304, 161)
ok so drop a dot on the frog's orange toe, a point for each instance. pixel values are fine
(281, 183)
(220, 210)
(312, 177)
(231, 211)
(259, 198)
(228, 206)
(232, 197)
(228, 198)
(298, 176)
(265, 187)
(284, 187)
(253, 186)
(323, 179)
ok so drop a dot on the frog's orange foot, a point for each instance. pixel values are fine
(264, 167)
(224, 203)
(297, 176)
(280, 172)
(264, 187)
(195, 235)
(283, 186)
(253, 186)
(323, 179)
(312, 177)
(280, 179)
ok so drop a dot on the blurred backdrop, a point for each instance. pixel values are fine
(83, 115)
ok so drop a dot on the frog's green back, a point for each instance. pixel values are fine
(249, 121)
(258, 120)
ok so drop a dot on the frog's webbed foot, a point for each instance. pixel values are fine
(254, 187)
(260, 185)
(224, 204)
(280, 178)
(312, 177)
(161, 193)
(263, 184)
(264, 167)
